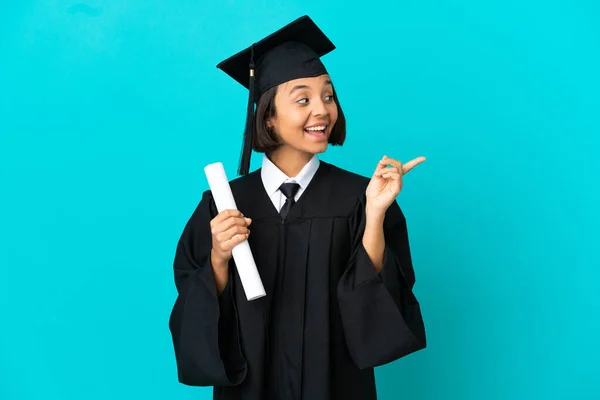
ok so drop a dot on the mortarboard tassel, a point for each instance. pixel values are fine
(247, 145)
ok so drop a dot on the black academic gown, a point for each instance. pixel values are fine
(328, 317)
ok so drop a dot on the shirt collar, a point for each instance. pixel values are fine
(273, 177)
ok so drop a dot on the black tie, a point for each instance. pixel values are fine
(289, 190)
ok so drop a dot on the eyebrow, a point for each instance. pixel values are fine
(298, 87)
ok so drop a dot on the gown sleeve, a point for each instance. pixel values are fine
(204, 326)
(381, 316)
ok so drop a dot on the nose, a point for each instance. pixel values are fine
(320, 108)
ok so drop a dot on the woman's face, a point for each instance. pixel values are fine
(305, 114)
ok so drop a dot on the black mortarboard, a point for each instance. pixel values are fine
(292, 52)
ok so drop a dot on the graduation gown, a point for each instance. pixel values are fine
(328, 317)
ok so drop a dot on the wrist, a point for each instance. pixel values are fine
(221, 276)
(374, 216)
(220, 272)
(217, 263)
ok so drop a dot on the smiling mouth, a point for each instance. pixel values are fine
(318, 130)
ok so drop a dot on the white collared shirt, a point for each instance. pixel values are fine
(273, 178)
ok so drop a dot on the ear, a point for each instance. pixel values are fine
(269, 124)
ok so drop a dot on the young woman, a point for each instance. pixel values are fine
(331, 248)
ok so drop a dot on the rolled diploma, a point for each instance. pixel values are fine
(242, 255)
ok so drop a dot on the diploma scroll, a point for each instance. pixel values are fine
(242, 255)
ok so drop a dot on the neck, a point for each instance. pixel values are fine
(290, 161)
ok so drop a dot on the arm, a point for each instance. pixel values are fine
(204, 325)
(374, 239)
(381, 316)
(220, 275)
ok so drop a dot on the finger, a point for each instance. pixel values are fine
(234, 241)
(385, 171)
(411, 164)
(230, 213)
(381, 164)
(235, 230)
(227, 245)
(231, 232)
(223, 215)
(394, 163)
(227, 224)
(392, 168)
(392, 175)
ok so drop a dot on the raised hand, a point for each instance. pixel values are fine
(386, 183)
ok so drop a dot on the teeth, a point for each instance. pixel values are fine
(316, 128)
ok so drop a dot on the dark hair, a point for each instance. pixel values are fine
(265, 140)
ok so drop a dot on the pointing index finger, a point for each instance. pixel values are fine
(412, 163)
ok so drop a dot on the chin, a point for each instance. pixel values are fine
(311, 146)
(317, 149)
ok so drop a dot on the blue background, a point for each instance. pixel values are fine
(109, 110)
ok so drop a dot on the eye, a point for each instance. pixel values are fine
(329, 98)
(303, 101)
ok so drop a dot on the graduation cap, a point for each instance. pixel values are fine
(292, 52)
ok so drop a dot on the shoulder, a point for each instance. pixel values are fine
(342, 192)
(246, 181)
(242, 184)
(340, 177)
(347, 180)
(346, 175)
(246, 186)
(352, 185)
